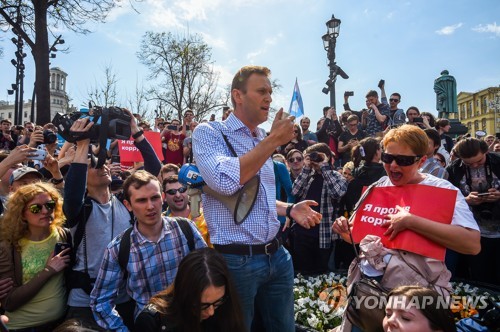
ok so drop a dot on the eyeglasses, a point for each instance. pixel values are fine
(37, 208)
(216, 304)
(394, 100)
(298, 159)
(174, 191)
(400, 160)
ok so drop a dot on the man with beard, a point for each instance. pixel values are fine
(307, 135)
(177, 201)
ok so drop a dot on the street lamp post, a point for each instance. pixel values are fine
(329, 43)
(18, 62)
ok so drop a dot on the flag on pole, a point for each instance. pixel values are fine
(296, 105)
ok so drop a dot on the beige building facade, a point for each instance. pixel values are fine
(480, 110)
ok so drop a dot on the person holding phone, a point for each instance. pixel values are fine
(173, 136)
(29, 232)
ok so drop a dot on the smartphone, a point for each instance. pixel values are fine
(39, 155)
(115, 159)
(172, 127)
(60, 246)
(418, 120)
(483, 194)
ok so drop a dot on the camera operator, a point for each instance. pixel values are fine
(29, 127)
(90, 207)
(318, 182)
(477, 174)
(173, 136)
(330, 130)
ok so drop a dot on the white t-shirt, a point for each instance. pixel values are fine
(462, 216)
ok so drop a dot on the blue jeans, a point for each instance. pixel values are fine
(266, 283)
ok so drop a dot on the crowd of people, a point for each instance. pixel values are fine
(110, 248)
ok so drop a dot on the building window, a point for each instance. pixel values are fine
(25, 114)
(469, 110)
(483, 124)
(2, 115)
(469, 126)
(476, 125)
(10, 115)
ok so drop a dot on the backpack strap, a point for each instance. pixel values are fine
(124, 251)
(186, 229)
(80, 227)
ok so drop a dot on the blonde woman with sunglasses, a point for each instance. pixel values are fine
(31, 232)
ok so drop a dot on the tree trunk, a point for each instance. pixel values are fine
(41, 57)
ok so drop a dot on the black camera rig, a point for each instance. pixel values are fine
(109, 122)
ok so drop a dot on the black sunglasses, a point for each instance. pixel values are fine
(37, 208)
(216, 304)
(174, 191)
(394, 100)
(298, 159)
(400, 160)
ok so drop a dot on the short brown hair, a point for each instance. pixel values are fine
(137, 180)
(372, 93)
(241, 78)
(470, 147)
(169, 168)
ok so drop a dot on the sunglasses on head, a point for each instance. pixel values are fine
(216, 304)
(400, 160)
(174, 191)
(37, 208)
(297, 159)
(394, 100)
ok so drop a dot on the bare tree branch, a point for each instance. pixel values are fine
(182, 70)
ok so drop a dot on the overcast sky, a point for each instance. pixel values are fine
(408, 43)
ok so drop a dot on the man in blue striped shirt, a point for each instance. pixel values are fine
(261, 268)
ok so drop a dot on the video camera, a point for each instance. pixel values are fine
(113, 120)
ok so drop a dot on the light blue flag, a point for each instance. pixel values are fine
(296, 105)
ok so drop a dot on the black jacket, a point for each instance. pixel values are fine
(363, 176)
(456, 170)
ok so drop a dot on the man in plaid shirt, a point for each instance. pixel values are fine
(157, 246)
(319, 182)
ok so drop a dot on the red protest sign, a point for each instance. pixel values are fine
(129, 153)
(436, 204)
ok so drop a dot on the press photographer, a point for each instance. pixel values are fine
(477, 174)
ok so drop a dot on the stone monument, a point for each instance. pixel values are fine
(445, 87)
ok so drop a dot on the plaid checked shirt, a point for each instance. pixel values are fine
(432, 166)
(334, 187)
(151, 267)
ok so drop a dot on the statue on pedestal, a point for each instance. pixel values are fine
(445, 87)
